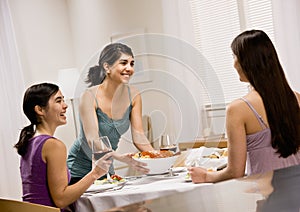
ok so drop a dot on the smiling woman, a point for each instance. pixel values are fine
(43, 168)
(107, 108)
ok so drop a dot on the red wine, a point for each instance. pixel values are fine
(171, 148)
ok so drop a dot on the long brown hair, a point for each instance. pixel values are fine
(260, 64)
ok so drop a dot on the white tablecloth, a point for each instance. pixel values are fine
(145, 188)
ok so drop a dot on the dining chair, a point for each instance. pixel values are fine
(147, 126)
(10, 205)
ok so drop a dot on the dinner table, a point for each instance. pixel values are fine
(144, 187)
(173, 191)
(136, 189)
(272, 191)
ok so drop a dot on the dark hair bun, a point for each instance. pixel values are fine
(95, 76)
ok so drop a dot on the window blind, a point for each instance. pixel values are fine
(215, 24)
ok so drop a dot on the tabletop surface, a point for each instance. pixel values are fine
(263, 192)
(136, 190)
(273, 191)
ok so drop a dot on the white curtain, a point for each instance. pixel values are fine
(287, 34)
(11, 93)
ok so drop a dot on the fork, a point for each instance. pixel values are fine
(91, 193)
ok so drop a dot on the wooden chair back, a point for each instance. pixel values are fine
(9, 205)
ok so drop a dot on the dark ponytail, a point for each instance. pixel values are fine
(95, 76)
(110, 54)
(38, 94)
(26, 133)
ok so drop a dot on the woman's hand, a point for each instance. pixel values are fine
(127, 158)
(198, 174)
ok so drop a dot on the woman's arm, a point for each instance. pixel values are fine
(87, 110)
(237, 149)
(139, 139)
(54, 153)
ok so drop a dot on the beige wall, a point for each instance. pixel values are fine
(43, 37)
(59, 34)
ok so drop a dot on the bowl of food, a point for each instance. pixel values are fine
(158, 162)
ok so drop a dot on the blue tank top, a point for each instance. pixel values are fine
(80, 154)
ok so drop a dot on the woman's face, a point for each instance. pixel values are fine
(122, 69)
(239, 69)
(55, 112)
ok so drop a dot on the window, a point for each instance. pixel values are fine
(215, 24)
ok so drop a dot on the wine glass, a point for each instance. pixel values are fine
(100, 147)
(167, 142)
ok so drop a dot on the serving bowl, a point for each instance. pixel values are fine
(158, 165)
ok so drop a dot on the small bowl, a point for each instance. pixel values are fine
(158, 165)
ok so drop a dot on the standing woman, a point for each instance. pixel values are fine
(263, 127)
(107, 108)
(43, 167)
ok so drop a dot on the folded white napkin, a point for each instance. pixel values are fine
(196, 157)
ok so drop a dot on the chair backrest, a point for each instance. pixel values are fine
(147, 126)
(9, 205)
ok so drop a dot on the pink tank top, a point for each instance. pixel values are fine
(261, 156)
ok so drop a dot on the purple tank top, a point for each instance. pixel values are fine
(261, 156)
(34, 173)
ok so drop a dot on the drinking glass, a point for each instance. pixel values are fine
(100, 147)
(167, 142)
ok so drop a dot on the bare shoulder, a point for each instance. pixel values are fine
(134, 92)
(54, 144)
(89, 92)
(88, 97)
(236, 106)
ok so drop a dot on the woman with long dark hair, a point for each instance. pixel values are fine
(263, 127)
(43, 167)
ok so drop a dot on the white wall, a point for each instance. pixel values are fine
(93, 22)
(43, 38)
(58, 34)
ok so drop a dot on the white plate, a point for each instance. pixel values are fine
(158, 173)
(175, 170)
(212, 163)
(102, 187)
(179, 169)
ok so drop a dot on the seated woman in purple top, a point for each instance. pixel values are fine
(44, 172)
(263, 127)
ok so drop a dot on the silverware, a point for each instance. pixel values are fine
(118, 187)
(171, 173)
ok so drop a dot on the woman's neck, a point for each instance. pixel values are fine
(44, 130)
(110, 89)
